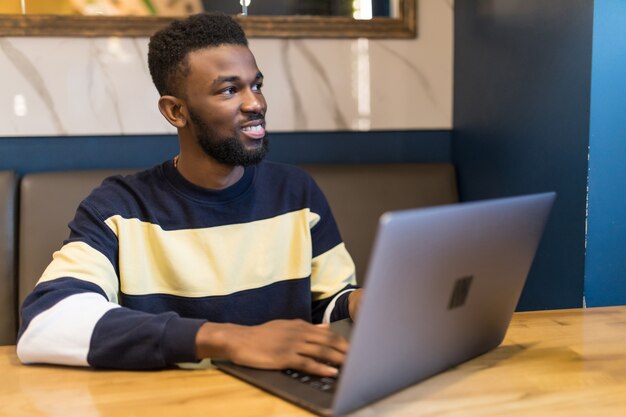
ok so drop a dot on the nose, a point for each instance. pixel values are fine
(253, 102)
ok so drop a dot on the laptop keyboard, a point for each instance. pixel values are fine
(326, 384)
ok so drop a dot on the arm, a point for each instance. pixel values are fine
(354, 302)
(278, 344)
(71, 322)
(333, 280)
(73, 316)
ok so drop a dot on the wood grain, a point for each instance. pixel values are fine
(557, 363)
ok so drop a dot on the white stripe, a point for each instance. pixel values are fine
(81, 261)
(331, 271)
(331, 306)
(61, 334)
(201, 262)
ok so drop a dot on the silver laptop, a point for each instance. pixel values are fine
(441, 288)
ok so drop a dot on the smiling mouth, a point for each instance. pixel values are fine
(254, 132)
(257, 128)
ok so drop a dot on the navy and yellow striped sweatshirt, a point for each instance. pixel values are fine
(151, 257)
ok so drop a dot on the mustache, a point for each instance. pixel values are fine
(255, 116)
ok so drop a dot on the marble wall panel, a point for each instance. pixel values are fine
(101, 86)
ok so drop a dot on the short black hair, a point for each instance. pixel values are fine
(169, 47)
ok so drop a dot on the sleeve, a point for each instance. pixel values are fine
(332, 269)
(72, 317)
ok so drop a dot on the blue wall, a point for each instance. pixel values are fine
(605, 275)
(521, 101)
(33, 154)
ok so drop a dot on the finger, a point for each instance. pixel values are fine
(314, 367)
(322, 353)
(328, 338)
(317, 334)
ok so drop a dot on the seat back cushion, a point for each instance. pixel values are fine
(360, 194)
(48, 202)
(8, 308)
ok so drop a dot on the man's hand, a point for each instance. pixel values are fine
(354, 301)
(277, 344)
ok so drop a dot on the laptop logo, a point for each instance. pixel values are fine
(460, 291)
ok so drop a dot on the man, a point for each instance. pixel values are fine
(211, 254)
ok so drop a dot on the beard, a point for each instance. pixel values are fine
(229, 150)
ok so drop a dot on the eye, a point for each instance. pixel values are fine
(229, 91)
(257, 87)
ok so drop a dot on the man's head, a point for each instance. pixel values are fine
(210, 88)
(169, 47)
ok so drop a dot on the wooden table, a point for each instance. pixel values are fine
(553, 363)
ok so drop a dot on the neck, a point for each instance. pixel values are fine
(206, 172)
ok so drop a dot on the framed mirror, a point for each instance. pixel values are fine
(401, 23)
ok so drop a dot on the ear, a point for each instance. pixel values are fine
(174, 110)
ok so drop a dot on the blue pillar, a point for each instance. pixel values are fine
(605, 266)
(522, 72)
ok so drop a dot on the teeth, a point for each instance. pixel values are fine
(252, 128)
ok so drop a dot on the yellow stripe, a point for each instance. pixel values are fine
(332, 271)
(81, 261)
(212, 261)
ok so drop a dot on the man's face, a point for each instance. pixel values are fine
(226, 106)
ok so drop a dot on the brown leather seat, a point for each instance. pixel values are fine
(359, 194)
(8, 307)
(48, 202)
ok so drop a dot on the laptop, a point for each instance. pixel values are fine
(441, 288)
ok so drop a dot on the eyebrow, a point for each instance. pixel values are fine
(234, 78)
